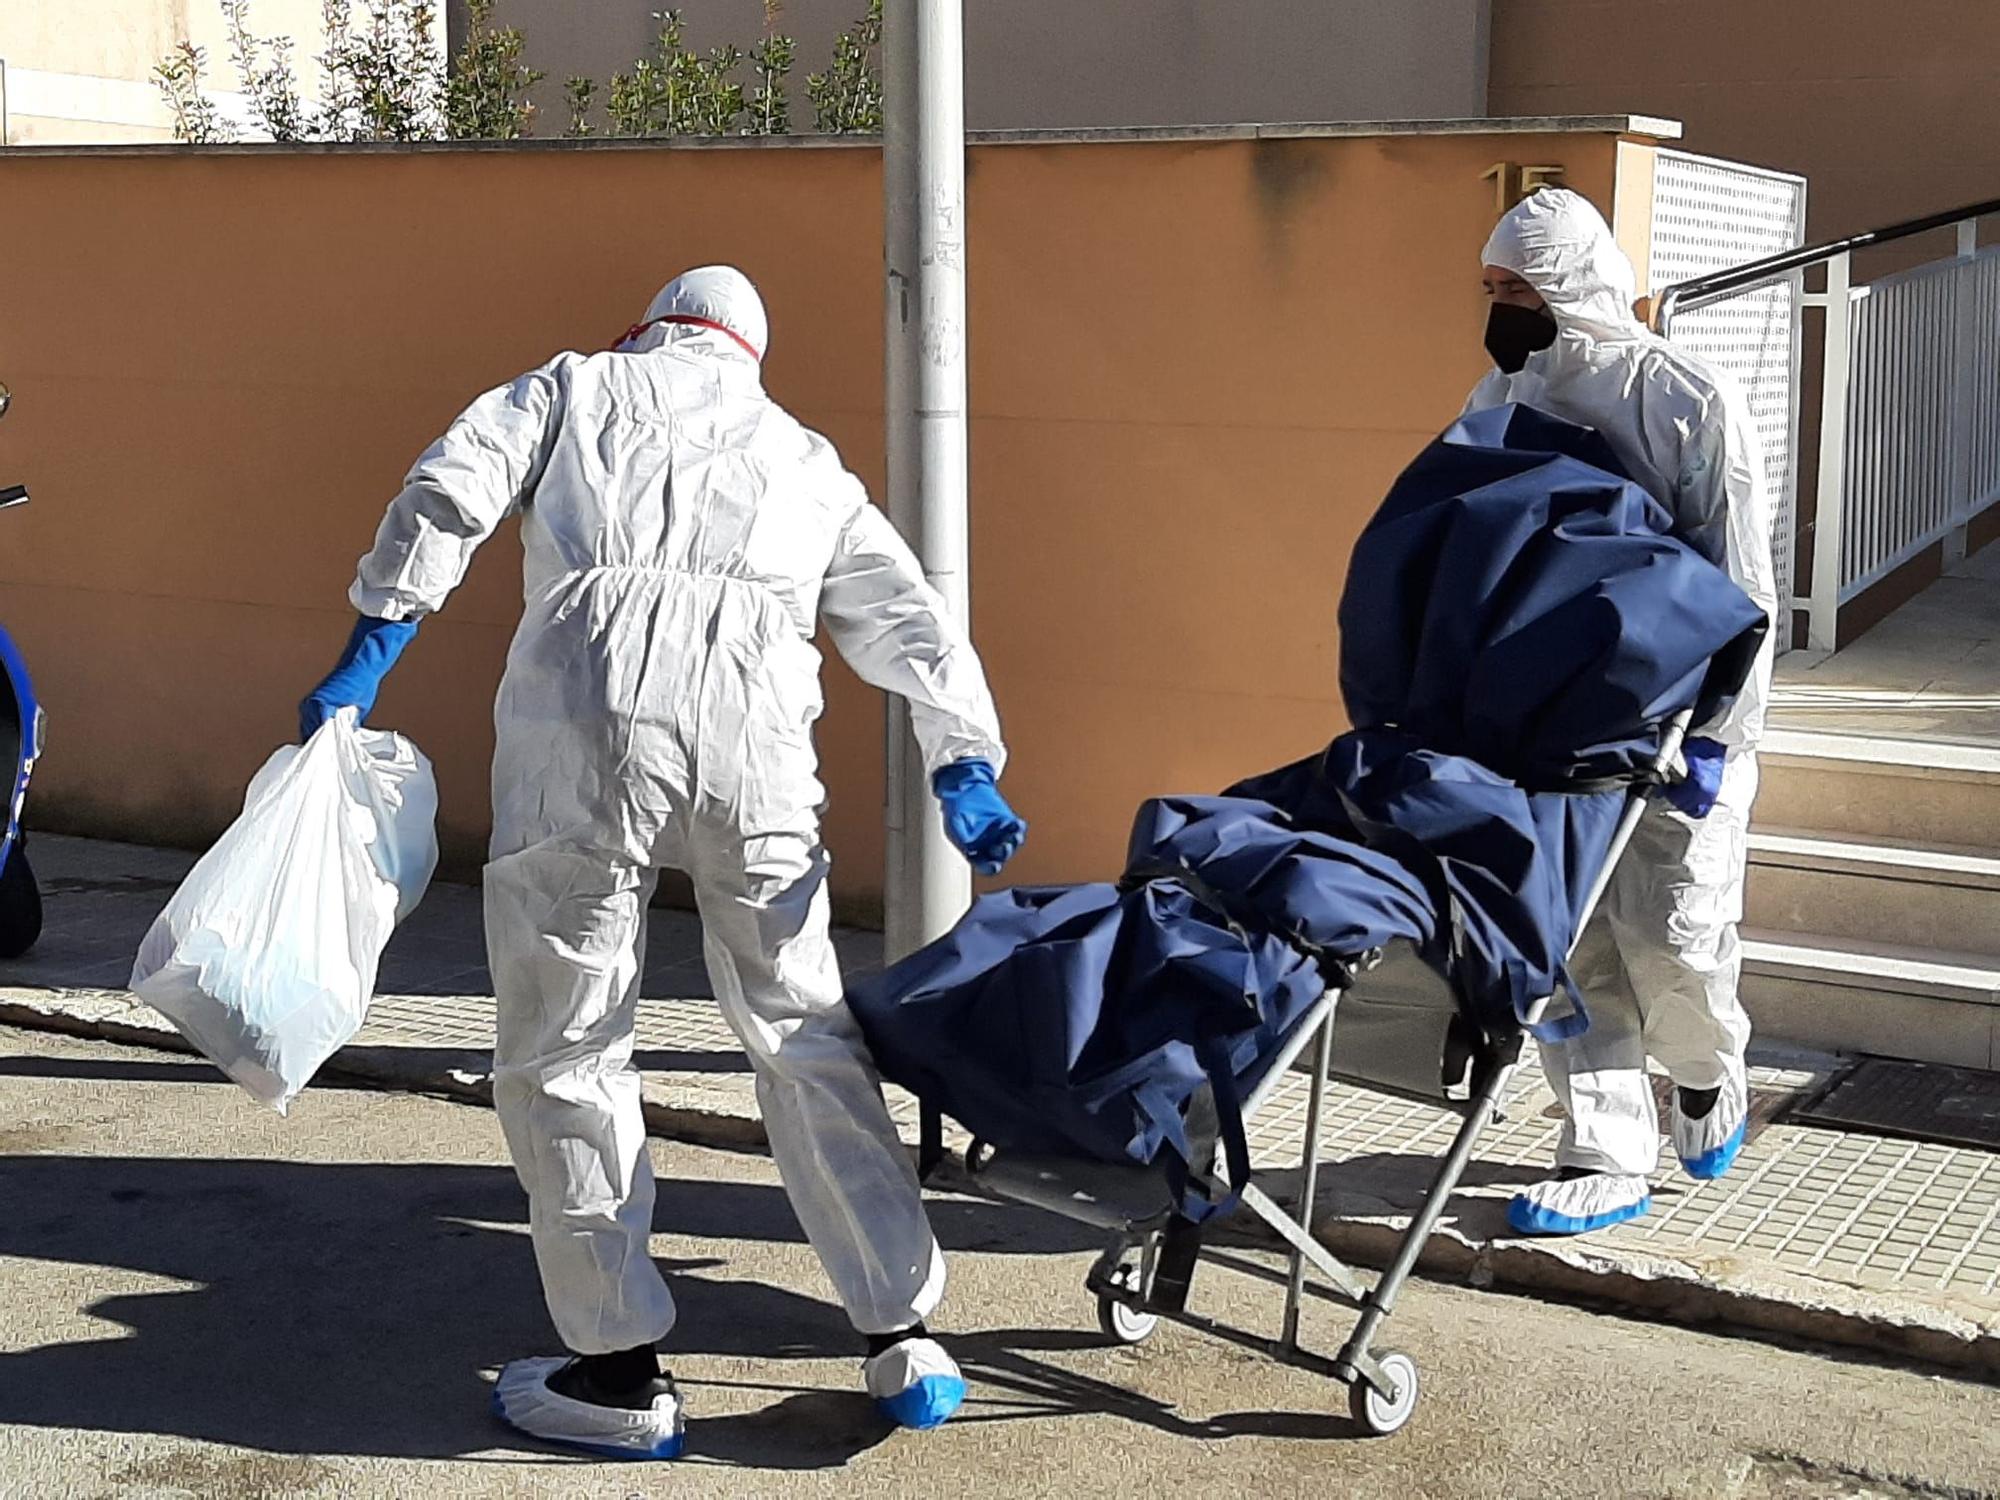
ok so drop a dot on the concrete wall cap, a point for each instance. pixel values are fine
(1642, 126)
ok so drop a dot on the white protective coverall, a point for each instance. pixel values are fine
(682, 534)
(1659, 967)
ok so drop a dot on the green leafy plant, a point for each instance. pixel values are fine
(396, 76)
(579, 93)
(264, 67)
(677, 91)
(340, 110)
(847, 97)
(629, 103)
(484, 96)
(770, 61)
(178, 77)
(385, 80)
(717, 103)
(647, 100)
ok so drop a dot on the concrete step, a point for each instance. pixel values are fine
(1876, 890)
(1851, 995)
(1870, 788)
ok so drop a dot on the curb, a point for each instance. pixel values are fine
(1668, 1290)
(363, 1066)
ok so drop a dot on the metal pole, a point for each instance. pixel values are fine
(1382, 1301)
(1295, 1284)
(927, 886)
(1965, 361)
(1822, 626)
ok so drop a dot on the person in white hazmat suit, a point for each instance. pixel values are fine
(683, 535)
(1659, 967)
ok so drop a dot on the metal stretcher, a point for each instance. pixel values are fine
(1388, 1022)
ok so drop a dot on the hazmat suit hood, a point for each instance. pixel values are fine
(715, 307)
(1557, 242)
(1680, 427)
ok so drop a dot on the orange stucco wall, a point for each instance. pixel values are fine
(1196, 366)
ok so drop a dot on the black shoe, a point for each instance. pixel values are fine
(880, 1343)
(613, 1380)
(1697, 1103)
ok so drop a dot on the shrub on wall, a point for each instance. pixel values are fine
(265, 70)
(386, 80)
(675, 91)
(770, 61)
(389, 80)
(580, 93)
(485, 98)
(178, 76)
(847, 97)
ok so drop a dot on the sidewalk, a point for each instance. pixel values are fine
(1850, 1238)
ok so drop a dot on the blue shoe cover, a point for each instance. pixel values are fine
(1710, 1165)
(1578, 1205)
(927, 1404)
(522, 1399)
(915, 1383)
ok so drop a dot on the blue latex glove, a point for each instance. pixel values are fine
(371, 650)
(977, 819)
(1696, 795)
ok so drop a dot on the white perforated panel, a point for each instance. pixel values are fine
(1709, 216)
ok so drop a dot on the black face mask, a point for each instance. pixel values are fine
(1513, 333)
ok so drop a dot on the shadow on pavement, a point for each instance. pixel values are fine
(352, 1308)
(1009, 1383)
(354, 1067)
(119, 1070)
(814, 1429)
(355, 1307)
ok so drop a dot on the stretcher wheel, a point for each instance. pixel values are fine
(1123, 1323)
(1373, 1411)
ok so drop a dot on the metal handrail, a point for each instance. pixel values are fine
(1700, 291)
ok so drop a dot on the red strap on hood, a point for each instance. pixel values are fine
(689, 320)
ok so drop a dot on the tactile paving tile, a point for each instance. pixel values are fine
(1865, 1210)
(1854, 1208)
(462, 1022)
(1359, 1123)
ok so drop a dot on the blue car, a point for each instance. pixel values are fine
(21, 733)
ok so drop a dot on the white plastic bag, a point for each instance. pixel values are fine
(265, 958)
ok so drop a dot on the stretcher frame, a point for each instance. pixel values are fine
(1129, 1203)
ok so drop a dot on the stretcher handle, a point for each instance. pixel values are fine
(1635, 808)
